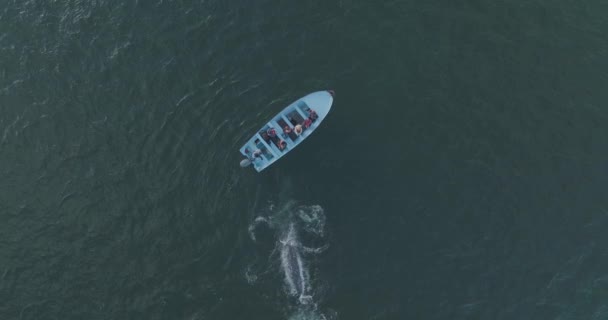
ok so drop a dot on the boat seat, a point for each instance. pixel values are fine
(304, 108)
(297, 116)
(284, 124)
(300, 109)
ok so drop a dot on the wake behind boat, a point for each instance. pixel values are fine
(286, 130)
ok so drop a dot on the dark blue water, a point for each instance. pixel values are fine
(461, 173)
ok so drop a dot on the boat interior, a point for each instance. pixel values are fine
(265, 152)
(270, 134)
(272, 139)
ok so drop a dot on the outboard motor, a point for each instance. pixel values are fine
(245, 163)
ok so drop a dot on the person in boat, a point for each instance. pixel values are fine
(307, 123)
(257, 153)
(313, 115)
(293, 121)
(287, 130)
(282, 144)
(271, 132)
(265, 136)
(298, 129)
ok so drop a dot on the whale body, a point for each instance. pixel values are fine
(294, 268)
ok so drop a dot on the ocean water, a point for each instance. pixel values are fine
(461, 173)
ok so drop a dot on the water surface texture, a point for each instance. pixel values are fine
(461, 174)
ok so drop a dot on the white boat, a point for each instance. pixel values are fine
(286, 130)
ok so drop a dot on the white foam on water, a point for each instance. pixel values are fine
(313, 218)
(255, 223)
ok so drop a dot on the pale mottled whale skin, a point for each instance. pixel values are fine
(294, 268)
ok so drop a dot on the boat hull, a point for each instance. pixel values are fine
(280, 135)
